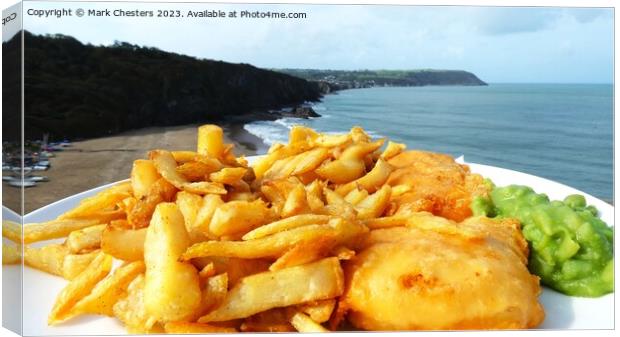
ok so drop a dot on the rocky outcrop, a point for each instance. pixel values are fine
(303, 112)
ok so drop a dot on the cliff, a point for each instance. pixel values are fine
(333, 80)
(77, 90)
(11, 91)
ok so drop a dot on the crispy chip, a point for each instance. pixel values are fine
(241, 196)
(400, 189)
(287, 287)
(384, 222)
(355, 196)
(297, 164)
(276, 153)
(184, 156)
(74, 264)
(12, 231)
(342, 171)
(123, 244)
(211, 141)
(166, 166)
(108, 291)
(303, 323)
(171, 288)
(207, 271)
(319, 311)
(236, 217)
(228, 175)
(343, 253)
(273, 195)
(210, 203)
(270, 246)
(196, 170)
(302, 253)
(392, 150)
(126, 205)
(314, 194)
(85, 239)
(273, 320)
(339, 230)
(334, 198)
(189, 204)
(345, 211)
(359, 135)
(195, 328)
(160, 191)
(106, 199)
(235, 268)
(300, 134)
(131, 311)
(11, 253)
(338, 206)
(332, 140)
(143, 175)
(214, 292)
(372, 181)
(309, 160)
(104, 216)
(48, 258)
(286, 224)
(361, 150)
(54, 229)
(79, 287)
(374, 205)
(296, 202)
(213, 163)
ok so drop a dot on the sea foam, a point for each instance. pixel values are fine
(269, 132)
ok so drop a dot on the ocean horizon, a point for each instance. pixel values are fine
(562, 132)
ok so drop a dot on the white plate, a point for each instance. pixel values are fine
(562, 312)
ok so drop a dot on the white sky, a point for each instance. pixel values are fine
(558, 45)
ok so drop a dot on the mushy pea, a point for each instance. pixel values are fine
(571, 249)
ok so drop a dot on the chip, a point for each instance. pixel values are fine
(288, 287)
(79, 287)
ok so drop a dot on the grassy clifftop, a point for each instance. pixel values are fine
(343, 79)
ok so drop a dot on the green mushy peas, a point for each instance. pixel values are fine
(571, 249)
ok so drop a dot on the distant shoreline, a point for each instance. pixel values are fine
(335, 80)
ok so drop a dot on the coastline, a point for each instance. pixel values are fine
(94, 162)
(242, 138)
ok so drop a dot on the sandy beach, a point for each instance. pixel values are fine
(90, 163)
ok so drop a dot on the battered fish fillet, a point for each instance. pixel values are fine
(436, 274)
(437, 184)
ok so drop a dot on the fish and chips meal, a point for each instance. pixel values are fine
(324, 233)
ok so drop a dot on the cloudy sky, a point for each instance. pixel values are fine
(553, 45)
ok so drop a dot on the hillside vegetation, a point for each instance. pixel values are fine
(78, 90)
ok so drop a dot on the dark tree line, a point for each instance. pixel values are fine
(76, 90)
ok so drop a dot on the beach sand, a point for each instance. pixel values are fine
(95, 162)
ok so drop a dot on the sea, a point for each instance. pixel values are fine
(562, 132)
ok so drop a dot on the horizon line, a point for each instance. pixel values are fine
(512, 82)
